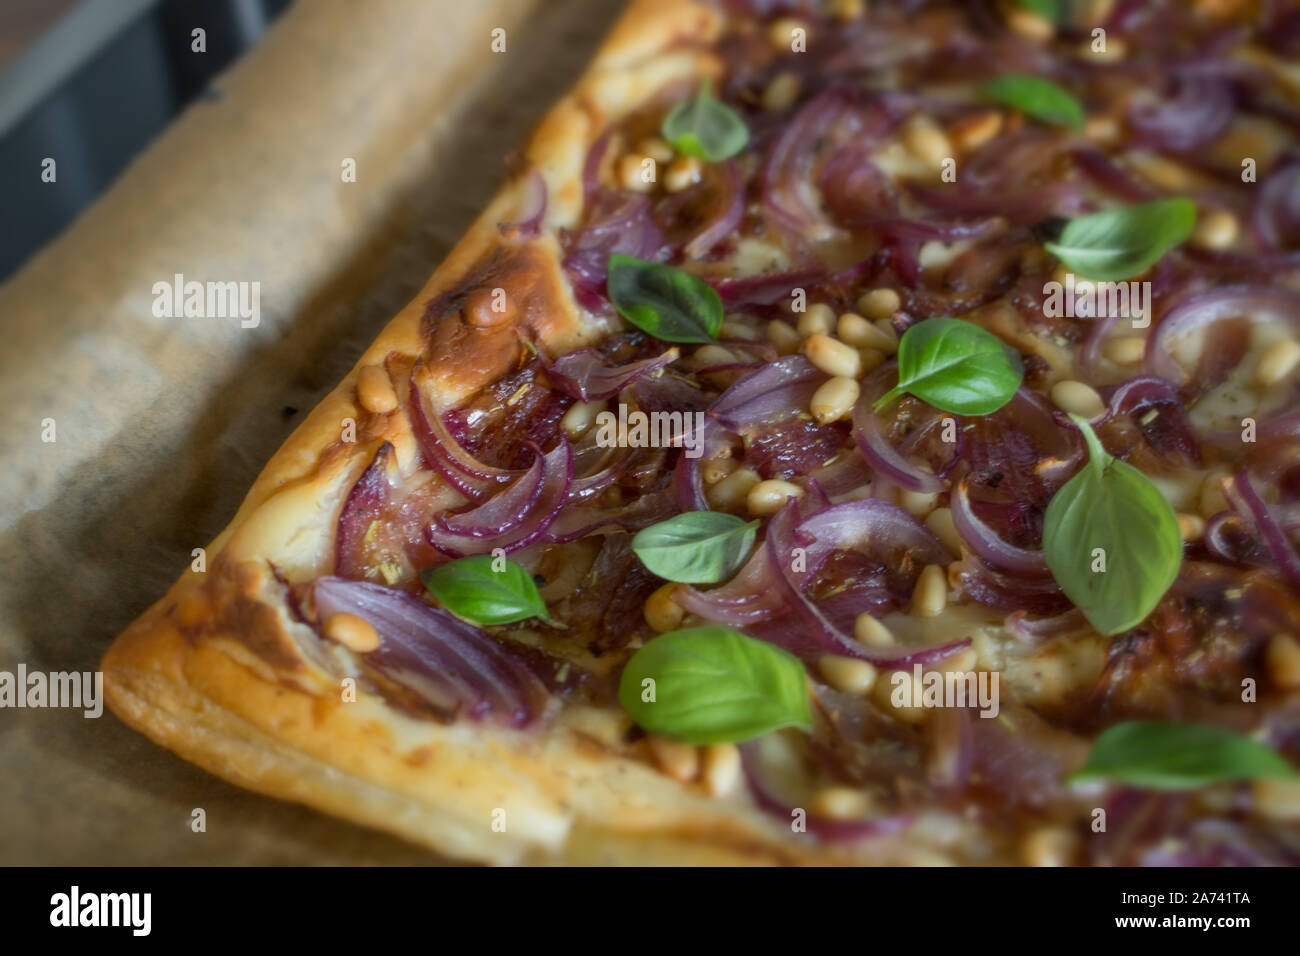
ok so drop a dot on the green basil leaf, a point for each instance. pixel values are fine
(1123, 241)
(955, 366)
(1053, 10)
(1163, 755)
(713, 685)
(705, 128)
(1036, 97)
(670, 304)
(471, 589)
(699, 547)
(1111, 506)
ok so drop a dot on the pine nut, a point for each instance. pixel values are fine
(353, 632)
(1216, 229)
(1276, 799)
(1161, 171)
(871, 632)
(926, 140)
(707, 355)
(931, 595)
(678, 760)
(971, 132)
(715, 469)
(375, 390)
(886, 327)
(918, 503)
(768, 497)
(834, 399)
(580, 417)
(832, 356)
(883, 694)
(1191, 527)
(1115, 49)
(862, 333)
(879, 303)
(817, 319)
(683, 172)
(730, 493)
(940, 523)
(782, 93)
(1049, 846)
(661, 612)
(1077, 398)
(1101, 128)
(781, 34)
(1125, 349)
(959, 662)
(1212, 499)
(1030, 25)
(1282, 656)
(839, 803)
(656, 149)
(847, 674)
(872, 359)
(1278, 361)
(845, 10)
(630, 173)
(783, 337)
(721, 769)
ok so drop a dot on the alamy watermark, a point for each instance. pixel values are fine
(212, 300)
(1087, 299)
(638, 429)
(82, 691)
(933, 688)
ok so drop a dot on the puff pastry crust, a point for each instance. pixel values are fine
(213, 671)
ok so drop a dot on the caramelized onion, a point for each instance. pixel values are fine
(451, 665)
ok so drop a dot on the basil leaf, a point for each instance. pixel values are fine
(705, 128)
(699, 547)
(1121, 242)
(471, 589)
(1036, 97)
(955, 366)
(1163, 755)
(1053, 10)
(670, 304)
(713, 685)
(1111, 506)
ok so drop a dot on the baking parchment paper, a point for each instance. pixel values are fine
(161, 424)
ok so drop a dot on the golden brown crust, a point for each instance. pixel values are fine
(217, 670)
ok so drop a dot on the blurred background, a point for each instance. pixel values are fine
(99, 79)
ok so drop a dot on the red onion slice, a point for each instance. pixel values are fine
(688, 484)
(445, 455)
(520, 527)
(774, 392)
(1241, 492)
(1275, 219)
(854, 522)
(1200, 109)
(881, 455)
(823, 827)
(1226, 302)
(451, 664)
(365, 503)
(502, 511)
(728, 212)
(585, 374)
(985, 542)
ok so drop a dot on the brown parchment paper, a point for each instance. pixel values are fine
(161, 424)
